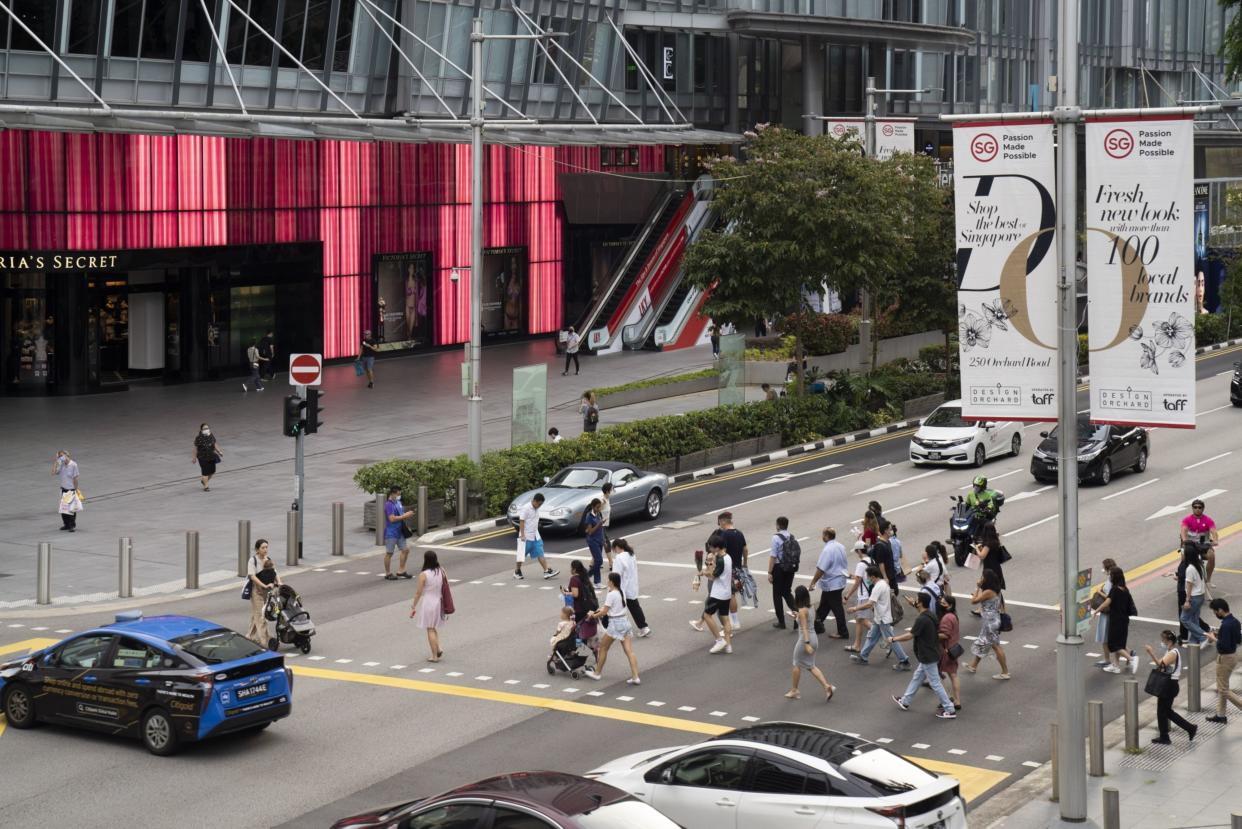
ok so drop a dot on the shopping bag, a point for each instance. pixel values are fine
(358, 369)
(70, 503)
(973, 562)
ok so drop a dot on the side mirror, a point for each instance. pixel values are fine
(1043, 434)
(666, 776)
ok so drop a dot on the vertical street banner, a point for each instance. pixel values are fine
(1004, 181)
(1141, 281)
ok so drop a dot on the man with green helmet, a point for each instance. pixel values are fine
(982, 502)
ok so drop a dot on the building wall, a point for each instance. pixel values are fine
(68, 191)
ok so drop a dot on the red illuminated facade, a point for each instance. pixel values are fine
(104, 193)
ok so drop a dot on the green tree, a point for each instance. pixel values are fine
(1231, 44)
(1231, 295)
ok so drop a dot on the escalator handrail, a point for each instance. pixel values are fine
(589, 319)
(637, 333)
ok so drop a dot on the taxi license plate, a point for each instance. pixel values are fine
(252, 691)
(935, 456)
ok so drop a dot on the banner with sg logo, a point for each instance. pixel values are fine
(1004, 182)
(1141, 280)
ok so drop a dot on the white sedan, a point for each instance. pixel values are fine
(945, 438)
(787, 776)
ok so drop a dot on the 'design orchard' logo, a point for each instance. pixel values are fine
(1119, 143)
(984, 147)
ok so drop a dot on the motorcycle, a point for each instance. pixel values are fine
(964, 524)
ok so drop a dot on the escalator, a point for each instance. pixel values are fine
(605, 305)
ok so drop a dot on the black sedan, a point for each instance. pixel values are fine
(1235, 385)
(523, 800)
(1103, 449)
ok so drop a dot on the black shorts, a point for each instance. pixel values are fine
(207, 467)
(716, 607)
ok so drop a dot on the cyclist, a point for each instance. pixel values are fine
(1199, 528)
(982, 503)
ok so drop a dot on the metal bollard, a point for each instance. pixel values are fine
(463, 505)
(191, 559)
(1193, 703)
(380, 519)
(44, 587)
(243, 546)
(420, 513)
(291, 538)
(1235, 820)
(125, 564)
(1130, 688)
(338, 528)
(1056, 786)
(1112, 809)
(1095, 738)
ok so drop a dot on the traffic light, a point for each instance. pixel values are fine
(312, 410)
(295, 420)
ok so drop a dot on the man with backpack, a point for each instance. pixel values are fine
(783, 560)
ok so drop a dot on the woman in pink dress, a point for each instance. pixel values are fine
(427, 609)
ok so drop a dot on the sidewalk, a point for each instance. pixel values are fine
(139, 479)
(1180, 786)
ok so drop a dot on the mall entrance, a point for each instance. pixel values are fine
(77, 323)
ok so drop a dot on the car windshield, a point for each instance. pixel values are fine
(947, 417)
(1088, 432)
(578, 478)
(624, 814)
(217, 645)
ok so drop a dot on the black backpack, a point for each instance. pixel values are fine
(592, 415)
(590, 602)
(791, 554)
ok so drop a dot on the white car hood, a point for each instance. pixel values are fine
(946, 432)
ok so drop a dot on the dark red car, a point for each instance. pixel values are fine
(524, 800)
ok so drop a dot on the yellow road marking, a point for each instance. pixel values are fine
(1227, 570)
(473, 537)
(974, 780)
(1171, 557)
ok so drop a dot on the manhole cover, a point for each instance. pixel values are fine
(679, 525)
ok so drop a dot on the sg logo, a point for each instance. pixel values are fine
(1041, 399)
(1119, 143)
(1175, 405)
(984, 147)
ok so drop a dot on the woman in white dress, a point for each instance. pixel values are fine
(428, 607)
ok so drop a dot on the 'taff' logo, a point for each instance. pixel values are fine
(887, 129)
(984, 147)
(1175, 405)
(1041, 399)
(1119, 143)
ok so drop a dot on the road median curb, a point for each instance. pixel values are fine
(438, 536)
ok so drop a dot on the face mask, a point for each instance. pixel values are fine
(206, 431)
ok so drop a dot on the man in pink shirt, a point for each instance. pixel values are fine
(1201, 528)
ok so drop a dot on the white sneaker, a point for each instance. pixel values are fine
(1112, 669)
(728, 649)
(1133, 662)
(633, 681)
(591, 675)
(718, 647)
(737, 626)
(697, 624)
(244, 387)
(643, 633)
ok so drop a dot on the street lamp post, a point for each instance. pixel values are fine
(474, 400)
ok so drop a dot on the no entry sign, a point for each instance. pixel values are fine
(305, 369)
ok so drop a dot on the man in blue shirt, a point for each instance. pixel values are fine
(830, 573)
(1227, 638)
(394, 521)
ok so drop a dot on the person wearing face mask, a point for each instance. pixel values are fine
(1169, 663)
(207, 453)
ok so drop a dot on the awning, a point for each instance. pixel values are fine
(849, 29)
(400, 128)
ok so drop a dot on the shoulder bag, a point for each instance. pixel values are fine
(446, 596)
(956, 651)
(1006, 623)
(1159, 683)
(249, 585)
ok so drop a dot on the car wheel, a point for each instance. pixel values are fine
(1106, 473)
(19, 707)
(981, 455)
(158, 734)
(654, 502)
(1015, 445)
(1141, 463)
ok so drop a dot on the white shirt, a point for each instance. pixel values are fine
(626, 567)
(615, 604)
(571, 345)
(882, 595)
(530, 517)
(1176, 673)
(777, 550)
(1194, 582)
(860, 572)
(934, 570)
(605, 509)
(722, 588)
(556, 438)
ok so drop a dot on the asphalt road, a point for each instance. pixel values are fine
(374, 722)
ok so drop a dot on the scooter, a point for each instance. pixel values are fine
(962, 524)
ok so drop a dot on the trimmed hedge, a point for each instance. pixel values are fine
(821, 333)
(657, 381)
(1210, 329)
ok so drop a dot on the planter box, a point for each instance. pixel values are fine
(719, 455)
(435, 514)
(645, 395)
(692, 461)
(668, 467)
(851, 359)
(919, 406)
(745, 448)
(769, 443)
(368, 515)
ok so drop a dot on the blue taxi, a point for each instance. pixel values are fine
(167, 680)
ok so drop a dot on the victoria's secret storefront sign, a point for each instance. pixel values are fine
(57, 261)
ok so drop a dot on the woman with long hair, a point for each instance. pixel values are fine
(870, 528)
(805, 647)
(427, 610)
(1119, 605)
(987, 597)
(618, 629)
(949, 633)
(1196, 590)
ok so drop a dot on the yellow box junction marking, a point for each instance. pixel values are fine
(25, 646)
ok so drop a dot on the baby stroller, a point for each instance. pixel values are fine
(571, 654)
(293, 623)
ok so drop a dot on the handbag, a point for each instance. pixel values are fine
(358, 369)
(1005, 557)
(1098, 598)
(1006, 623)
(1159, 684)
(246, 590)
(446, 596)
(406, 532)
(956, 651)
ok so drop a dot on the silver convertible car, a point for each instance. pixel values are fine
(568, 494)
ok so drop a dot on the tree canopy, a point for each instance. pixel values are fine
(1231, 43)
